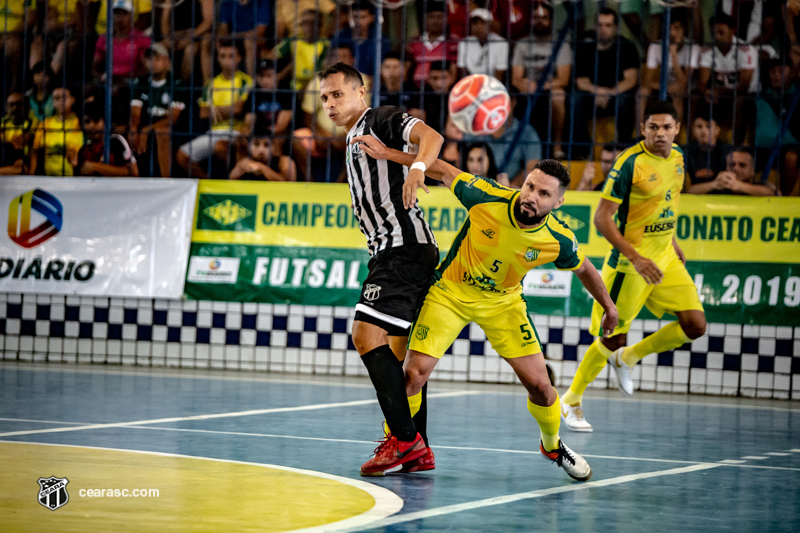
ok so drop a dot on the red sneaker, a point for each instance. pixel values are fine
(391, 454)
(426, 462)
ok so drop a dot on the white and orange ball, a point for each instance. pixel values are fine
(479, 104)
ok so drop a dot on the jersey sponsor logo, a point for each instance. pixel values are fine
(220, 212)
(53, 492)
(531, 254)
(483, 282)
(422, 332)
(489, 233)
(653, 177)
(667, 213)
(660, 227)
(372, 292)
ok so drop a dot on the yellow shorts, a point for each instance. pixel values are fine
(629, 290)
(505, 321)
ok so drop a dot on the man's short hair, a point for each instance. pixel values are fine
(660, 107)
(392, 55)
(554, 168)
(231, 43)
(350, 74)
(744, 150)
(613, 147)
(363, 5)
(609, 11)
(94, 110)
(439, 66)
(722, 18)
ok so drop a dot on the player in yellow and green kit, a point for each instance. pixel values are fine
(506, 234)
(645, 265)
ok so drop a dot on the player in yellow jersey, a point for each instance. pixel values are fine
(645, 265)
(506, 234)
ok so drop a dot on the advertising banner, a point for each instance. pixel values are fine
(125, 237)
(299, 243)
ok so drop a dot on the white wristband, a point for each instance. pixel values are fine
(419, 165)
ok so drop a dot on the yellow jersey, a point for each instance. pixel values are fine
(221, 92)
(61, 142)
(306, 56)
(12, 14)
(648, 188)
(492, 253)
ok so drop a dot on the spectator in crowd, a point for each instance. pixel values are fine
(16, 19)
(483, 52)
(186, 26)
(40, 94)
(362, 37)
(287, 14)
(58, 138)
(121, 161)
(512, 18)
(772, 106)
(129, 46)
(480, 162)
(305, 51)
(222, 103)
(608, 154)
(16, 135)
(606, 77)
(738, 178)
(435, 94)
(265, 161)
(755, 21)
(395, 90)
(682, 64)
(142, 15)
(248, 22)
(435, 44)
(632, 11)
(266, 105)
(531, 57)
(524, 156)
(705, 156)
(157, 102)
(728, 73)
(321, 138)
(62, 33)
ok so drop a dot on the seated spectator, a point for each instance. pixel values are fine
(435, 94)
(121, 161)
(480, 162)
(524, 156)
(738, 178)
(157, 101)
(608, 154)
(606, 88)
(40, 94)
(222, 104)
(17, 19)
(129, 46)
(61, 35)
(287, 13)
(683, 62)
(734, 65)
(58, 139)
(531, 57)
(264, 162)
(395, 90)
(248, 22)
(705, 156)
(756, 20)
(16, 135)
(186, 28)
(361, 36)
(435, 44)
(482, 52)
(321, 138)
(267, 105)
(305, 52)
(772, 107)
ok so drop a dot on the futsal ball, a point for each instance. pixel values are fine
(479, 104)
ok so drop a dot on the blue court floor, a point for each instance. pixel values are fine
(661, 462)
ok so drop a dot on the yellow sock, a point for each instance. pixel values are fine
(593, 362)
(414, 403)
(549, 420)
(667, 338)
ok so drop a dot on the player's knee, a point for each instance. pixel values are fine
(415, 377)
(616, 342)
(695, 327)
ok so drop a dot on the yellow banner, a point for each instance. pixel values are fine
(710, 228)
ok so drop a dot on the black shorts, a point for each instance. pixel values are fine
(395, 287)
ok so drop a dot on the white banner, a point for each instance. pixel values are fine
(126, 237)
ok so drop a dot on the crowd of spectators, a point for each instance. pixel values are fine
(227, 89)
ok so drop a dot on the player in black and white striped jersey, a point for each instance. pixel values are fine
(403, 254)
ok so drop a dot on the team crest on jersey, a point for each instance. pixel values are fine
(53, 492)
(679, 170)
(667, 213)
(489, 233)
(372, 292)
(531, 254)
(422, 332)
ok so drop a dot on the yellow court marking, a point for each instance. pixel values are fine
(194, 493)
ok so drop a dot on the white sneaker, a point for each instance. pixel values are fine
(624, 381)
(572, 463)
(572, 416)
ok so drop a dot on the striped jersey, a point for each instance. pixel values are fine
(648, 188)
(376, 186)
(492, 253)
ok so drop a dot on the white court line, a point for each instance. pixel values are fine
(500, 500)
(41, 421)
(778, 454)
(226, 415)
(754, 457)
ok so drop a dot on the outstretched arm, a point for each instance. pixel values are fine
(591, 279)
(439, 170)
(430, 143)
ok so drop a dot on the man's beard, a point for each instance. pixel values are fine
(542, 32)
(527, 220)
